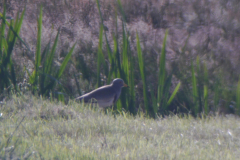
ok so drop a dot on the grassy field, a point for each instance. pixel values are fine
(192, 71)
(34, 128)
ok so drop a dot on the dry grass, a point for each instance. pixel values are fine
(52, 130)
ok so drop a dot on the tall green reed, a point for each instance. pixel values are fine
(195, 92)
(205, 90)
(120, 63)
(164, 82)
(7, 71)
(44, 78)
(143, 76)
(200, 87)
(161, 101)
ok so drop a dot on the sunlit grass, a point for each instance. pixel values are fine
(52, 130)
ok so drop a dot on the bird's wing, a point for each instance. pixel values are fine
(106, 93)
(98, 94)
(84, 97)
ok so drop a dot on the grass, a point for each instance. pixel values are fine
(44, 66)
(34, 128)
(7, 71)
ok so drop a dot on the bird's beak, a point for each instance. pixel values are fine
(125, 85)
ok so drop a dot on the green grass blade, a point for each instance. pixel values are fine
(100, 13)
(13, 76)
(195, 92)
(131, 104)
(205, 74)
(125, 97)
(238, 98)
(38, 49)
(82, 65)
(115, 50)
(205, 97)
(7, 45)
(65, 61)
(5, 49)
(174, 94)
(198, 65)
(12, 29)
(142, 72)
(77, 83)
(125, 61)
(50, 85)
(100, 56)
(121, 9)
(216, 96)
(44, 61)
(18, 24)
(10, 34)
(110, 57)
(165, 94)
(51, 56)
(205, 90)
(3, 27)
(12, 37)
(162, 70)
(44, 53)
(154, 101)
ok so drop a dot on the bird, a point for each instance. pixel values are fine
(106, 95)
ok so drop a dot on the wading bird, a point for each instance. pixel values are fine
(106, 95)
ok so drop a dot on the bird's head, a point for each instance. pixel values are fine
(119, 82)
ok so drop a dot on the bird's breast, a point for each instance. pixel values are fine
(105, 103)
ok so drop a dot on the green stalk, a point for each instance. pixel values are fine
(195, 92)
(3, 27)
(174, 94)
(162, 71)
(205, 97)
(238, 98)
(205, 90)
(51, 56)
(100, 56)
(6, 48)
(216, 95)
(200, 82)
(65, 61)
(53, 81)
(4, 79)
(131, 104)
(38, 52)
(154, 101)
(142, 72)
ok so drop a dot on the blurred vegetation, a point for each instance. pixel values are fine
(43, 79)
(200, 79)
